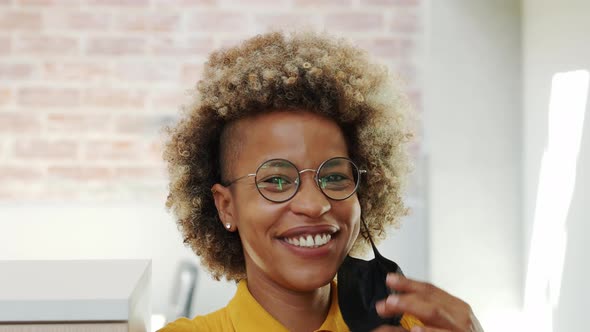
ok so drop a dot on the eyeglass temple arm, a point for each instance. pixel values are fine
(238, 179)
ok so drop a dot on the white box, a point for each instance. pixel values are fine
(75, 295)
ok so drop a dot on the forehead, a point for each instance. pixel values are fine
(304, 138)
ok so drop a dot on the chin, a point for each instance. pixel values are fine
(307, 280)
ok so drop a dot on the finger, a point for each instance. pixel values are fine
(407, 285)
(427, 329)
(429, 313)
(389, 328)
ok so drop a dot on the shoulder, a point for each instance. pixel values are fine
(216, 321)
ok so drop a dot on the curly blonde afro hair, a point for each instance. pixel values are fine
(276, 71)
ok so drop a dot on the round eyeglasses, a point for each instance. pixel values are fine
(278, 180)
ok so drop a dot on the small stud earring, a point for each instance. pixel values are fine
(228, 225)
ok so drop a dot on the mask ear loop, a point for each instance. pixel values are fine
(375, 251)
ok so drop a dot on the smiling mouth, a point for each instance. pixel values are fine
(309, 241)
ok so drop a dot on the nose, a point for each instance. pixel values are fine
(309, 199)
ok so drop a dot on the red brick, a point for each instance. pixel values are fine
(76, 71)
(231, 41)
(218, 21)
(52, 3)
(6, 97)
(17, 123)
(80, 173)
(48, 97)
(18, 193)
(19, 20)
(44, 149)
(118, 3)
(124, 150)
(150, 72)
(15, 71)
(286, 21)
(108, 97)
(60, 193)
(354, 22)
(154, 22)
(184, 3)
(21, 173)
(255, 3)
(76, 20)
(389, 47)
(191, 73)
(132, 124)
(169, 101)
(142, 125)
(128, 150)
(390, 2)
(140, 173)
(39, 45)
(5, 45)
(77, 123)
(155, 150)
(323, 3)
(181, 46)
(405, 21)
(116, 46)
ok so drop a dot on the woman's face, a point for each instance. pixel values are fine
(268, 230)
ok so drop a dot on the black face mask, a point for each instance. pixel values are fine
(361, 284)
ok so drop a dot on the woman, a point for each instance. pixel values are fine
(291, 140)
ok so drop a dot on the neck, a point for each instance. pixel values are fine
(288, 306)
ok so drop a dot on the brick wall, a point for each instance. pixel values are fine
(87, 85)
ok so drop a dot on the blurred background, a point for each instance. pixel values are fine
(501, 169)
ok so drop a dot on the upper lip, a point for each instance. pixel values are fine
(309, 230)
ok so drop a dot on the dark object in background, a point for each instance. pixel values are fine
(185, 283)
(361, 284)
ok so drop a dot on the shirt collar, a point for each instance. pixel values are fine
(247, 314)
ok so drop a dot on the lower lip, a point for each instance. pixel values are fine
(310, 252)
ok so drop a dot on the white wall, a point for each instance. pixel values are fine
(78, 231)
(556, 40)
(120, 231)
(473, 137)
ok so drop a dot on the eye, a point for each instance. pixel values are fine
(275, 183)
(335, 181)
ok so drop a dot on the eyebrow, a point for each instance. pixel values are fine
(333, 163)
(277, 163)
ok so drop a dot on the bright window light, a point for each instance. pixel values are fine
(557, 177)
(158, 322)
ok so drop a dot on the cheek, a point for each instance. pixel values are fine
(350, 214)
(356, 219)
(254, 214)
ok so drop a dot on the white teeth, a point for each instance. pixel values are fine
(318, 240)
(309, 241)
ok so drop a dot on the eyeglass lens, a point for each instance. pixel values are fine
(278, 180)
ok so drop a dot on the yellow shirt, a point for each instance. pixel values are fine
(244, 314)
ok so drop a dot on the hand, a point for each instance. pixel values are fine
(438, 310)
(389, 328)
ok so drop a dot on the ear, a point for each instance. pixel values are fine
(225, 206)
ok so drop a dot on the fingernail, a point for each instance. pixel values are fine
(416, 329)
(392, 299)
(380, 307)
(392, 278)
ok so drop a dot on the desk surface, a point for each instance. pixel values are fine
(71, 290)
